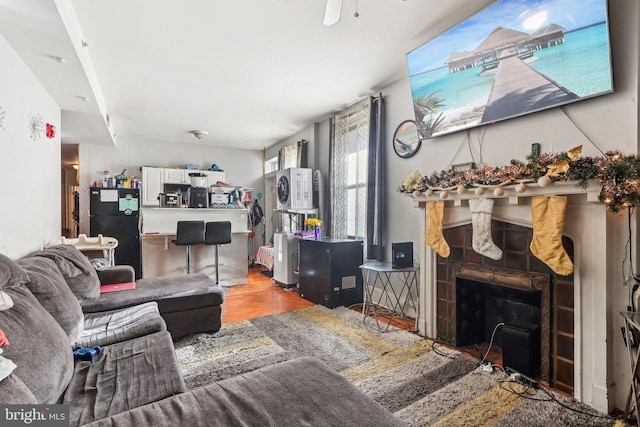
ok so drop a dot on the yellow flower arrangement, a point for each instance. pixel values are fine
(312, 223)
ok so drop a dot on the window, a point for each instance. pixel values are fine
(271, 165)
(356, 186)
(356, 191)
(349, 173)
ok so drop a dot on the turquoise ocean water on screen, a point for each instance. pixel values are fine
(582, 64)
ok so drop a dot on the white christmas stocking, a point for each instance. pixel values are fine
(481, 210)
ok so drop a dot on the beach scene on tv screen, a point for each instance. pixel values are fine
(513, 58)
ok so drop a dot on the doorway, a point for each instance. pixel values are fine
(70, 190)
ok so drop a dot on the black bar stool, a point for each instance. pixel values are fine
(189, 233)
(217, 233)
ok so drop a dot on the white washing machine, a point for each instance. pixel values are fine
(294, 189)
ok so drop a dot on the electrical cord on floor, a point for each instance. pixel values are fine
(462, 350)
(555, 399)
(491, 342)
(526, 394)
(438, 352)
(528, 389)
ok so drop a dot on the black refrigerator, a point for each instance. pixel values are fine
(115, 212)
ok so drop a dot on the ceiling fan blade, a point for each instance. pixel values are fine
(332, 12)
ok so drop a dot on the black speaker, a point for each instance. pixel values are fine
(521, 348)
(402, 254)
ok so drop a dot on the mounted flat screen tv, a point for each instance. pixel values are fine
(513, 58)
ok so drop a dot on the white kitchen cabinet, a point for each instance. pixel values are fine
(176, 176)
(152, 185)
(153, 180)
(213, 177)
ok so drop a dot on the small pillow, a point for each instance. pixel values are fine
(11, 274)
(5, 301)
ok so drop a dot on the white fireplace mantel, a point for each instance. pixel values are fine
(592, 191)
(599, 239)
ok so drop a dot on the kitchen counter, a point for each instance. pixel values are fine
(164, 220)
(160, 257)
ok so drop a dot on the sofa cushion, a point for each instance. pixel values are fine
(108, 327)
(49, 287)
(11, 274)
(176, 290)
(76, 270)
(123, 376)
(38, 345)
(13, 391)
(298, 392)
(117, 274)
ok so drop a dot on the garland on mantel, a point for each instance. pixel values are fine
(619, 176)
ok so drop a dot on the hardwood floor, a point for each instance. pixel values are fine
(261, 297)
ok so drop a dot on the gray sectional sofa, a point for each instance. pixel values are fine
(135, 379)
(188, 304)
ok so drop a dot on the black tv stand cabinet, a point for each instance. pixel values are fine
(330, 272)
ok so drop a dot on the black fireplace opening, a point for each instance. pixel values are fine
(480, 307)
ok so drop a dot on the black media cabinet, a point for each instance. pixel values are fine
(330, 271)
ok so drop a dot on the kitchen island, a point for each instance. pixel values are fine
(160, 257)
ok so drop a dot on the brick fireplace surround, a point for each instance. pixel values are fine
(516, 270)
(584, 355)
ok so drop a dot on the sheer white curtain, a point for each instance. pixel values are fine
(348, 177)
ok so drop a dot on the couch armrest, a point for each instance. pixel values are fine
(117, 274)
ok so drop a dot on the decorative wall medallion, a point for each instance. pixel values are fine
(3, 115)
(36, 126)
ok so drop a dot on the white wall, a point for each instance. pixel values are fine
(29, 169)
(241, 167)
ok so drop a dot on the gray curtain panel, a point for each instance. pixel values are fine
(375, 178)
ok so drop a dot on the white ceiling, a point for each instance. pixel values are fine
(250, 72)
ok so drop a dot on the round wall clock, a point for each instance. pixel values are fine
(36, 126)
(406, 140)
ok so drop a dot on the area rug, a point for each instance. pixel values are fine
(398, 369)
